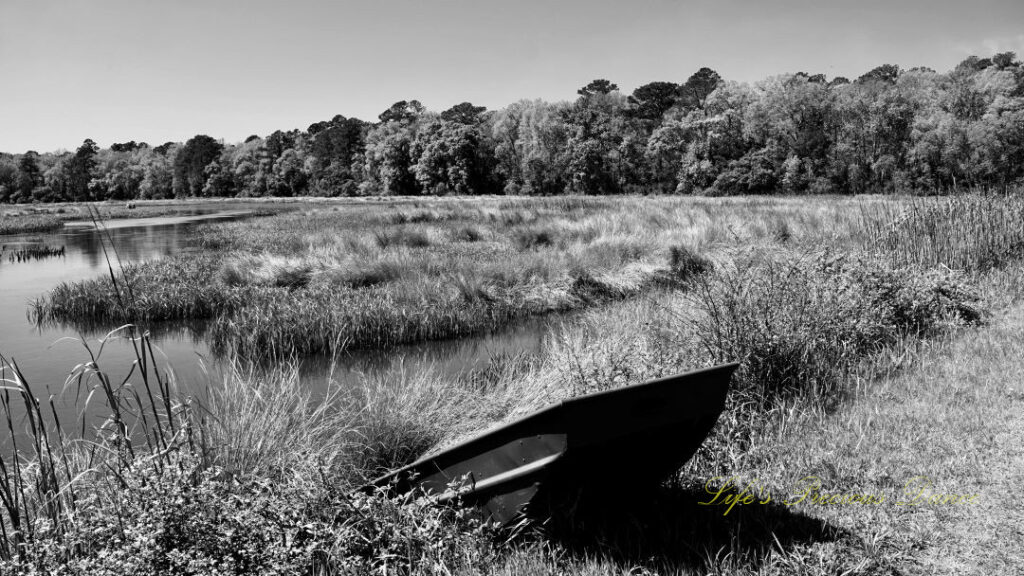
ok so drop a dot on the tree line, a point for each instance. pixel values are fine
(888, 130)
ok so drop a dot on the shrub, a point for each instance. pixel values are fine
(798, 323)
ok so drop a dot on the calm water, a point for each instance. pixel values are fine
(47, 355)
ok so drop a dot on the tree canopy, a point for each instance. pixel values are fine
(891, 129)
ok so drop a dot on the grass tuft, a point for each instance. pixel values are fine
(529, 238)
(402, 237)
(685, 264)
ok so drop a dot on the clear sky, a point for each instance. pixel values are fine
(160, 70)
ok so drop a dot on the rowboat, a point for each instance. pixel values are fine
(605, 443)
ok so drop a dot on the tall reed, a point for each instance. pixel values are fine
(44, 462)
(967, 232)
(141, 421)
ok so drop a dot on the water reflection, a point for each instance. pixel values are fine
(47, 354)
(450, 359)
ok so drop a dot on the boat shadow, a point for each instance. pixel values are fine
(669, 528)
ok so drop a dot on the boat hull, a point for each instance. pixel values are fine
(600, 444)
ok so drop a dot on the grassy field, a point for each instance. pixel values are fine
(870, 359)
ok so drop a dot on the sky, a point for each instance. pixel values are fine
(158, 71)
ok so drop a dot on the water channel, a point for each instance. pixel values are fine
(46, 355)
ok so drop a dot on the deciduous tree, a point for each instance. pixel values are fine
(190, 164)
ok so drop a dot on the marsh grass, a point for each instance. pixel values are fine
(967, 232)
(527, 238)
(266, 470)
(254, 477)
(363, 274)
(371, 278)
(170, 289)
(378, 275)
(265, 270)
(468, 233)
(686, 265)
(30, 253)
(242, 487)
(402, 237)
(262, 483)
(25, 223)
